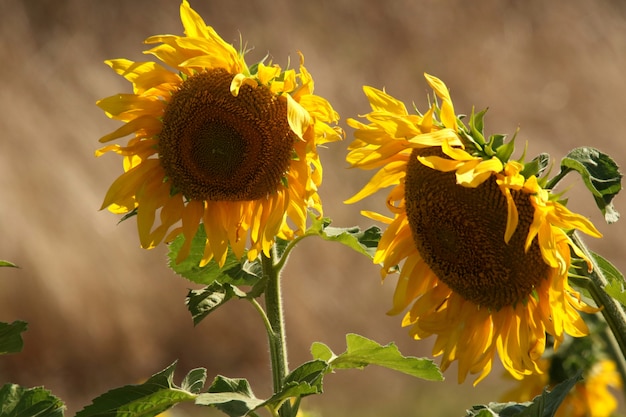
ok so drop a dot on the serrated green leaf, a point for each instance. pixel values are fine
(544, 405)
(362, 352)
(149, 399)
(11, 337)
(233, 396)
(201, 303)
(234, 271)
(16, 401)
(364, 242)
(8, 264)
(616, 286)
(600, 174)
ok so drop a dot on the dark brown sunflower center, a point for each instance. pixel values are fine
(459, 232)
(218, 147)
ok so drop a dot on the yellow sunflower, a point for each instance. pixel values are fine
(486, 249)
(216, 142)
(592, 397)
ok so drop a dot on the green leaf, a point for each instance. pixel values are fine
(616, 286)
(235, 271)
(16, 401)
(202, 302)
(363, 241)
(322, 352)
(544, 405)
(7, 263)
(362, 352)
(600, 174)
(232, 396)
(11, 337)
(194, 380)
(149, 399)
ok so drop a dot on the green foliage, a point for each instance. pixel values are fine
(362, 352)
(235, 271)
(232, 396)
(537, 166)
(600, 174)
(615, 287)
(202, 302)
(16, 401)
(149, 399)
(11, 337)
(544, 405)
(364, 242)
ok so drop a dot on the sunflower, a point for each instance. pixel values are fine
(216, 142)
(590, 398)
(486, 249)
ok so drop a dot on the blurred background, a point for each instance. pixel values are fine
(104, 313)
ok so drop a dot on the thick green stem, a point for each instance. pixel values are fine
(275, 315)
(612, 310)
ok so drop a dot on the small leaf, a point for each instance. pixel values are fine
(232, 396)
(362, 352)
(7, 263)
(202, 302)
(234, 271)
(362, 241)
(322, 352)
(11, 337)
(16, 401)
(616, 286)
(149, 399)
(600, 174)
(194, 381)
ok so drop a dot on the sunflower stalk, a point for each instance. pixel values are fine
(612, 310)
(276, 331)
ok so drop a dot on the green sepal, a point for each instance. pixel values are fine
(364, 242)
(600, 174)
(537, 166)
(234, 271)
(128, 215)
(505, 150)
(7, 263)
(149, 399)
(544, 405)
(477, 125)
(362, 352)
(11, 337)
(16, 401)
(201, 303)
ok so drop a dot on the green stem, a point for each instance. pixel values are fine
(275, 316)
(612, 310)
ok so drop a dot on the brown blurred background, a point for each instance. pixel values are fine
(103, 313)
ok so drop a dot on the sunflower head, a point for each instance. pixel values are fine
(217, 143)
(485, 248)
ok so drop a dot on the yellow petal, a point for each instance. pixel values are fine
(381, 101)
(299, 119)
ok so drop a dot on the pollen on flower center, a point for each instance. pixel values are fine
(459, 232)
(214, 146)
